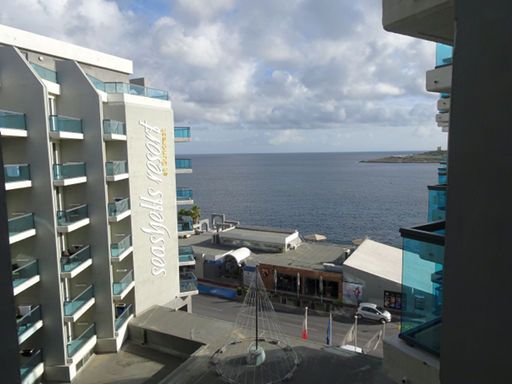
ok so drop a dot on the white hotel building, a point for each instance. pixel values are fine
(88, 216)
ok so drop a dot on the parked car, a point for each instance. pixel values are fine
(373, 312)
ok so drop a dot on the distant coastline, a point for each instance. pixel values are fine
(425, 157)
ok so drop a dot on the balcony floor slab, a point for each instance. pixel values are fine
(70, 181)
(121, 216)
(18, 185)
(74, 226)
(22, 236)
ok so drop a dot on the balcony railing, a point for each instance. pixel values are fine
(29, 363)
(442, 175)
(118, 207)
(74, 345)
(69, 262)
(65, 124)
(135, 89)
(98, 84)
(45, 73)
(186, 254)
(117, 249)
(72, 306)
(21, 223)
(24, 273)
(188, 282)
(113, 168)
(422, 295)
(27, 321)
(120, 286)
(113, 127)
(184, 226)
(437, 202)
(72, 215)
(183, 193)
(16, 172)
(182, 133)
(68, 170)
(121, 319)
(12, 120)
(444, 55)
(183, 163)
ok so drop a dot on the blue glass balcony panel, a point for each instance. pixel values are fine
(12, 120)
(73, 258)
(444, 55)
(118, 207)
(98, 84)
(134, 89)
(72, 215)
(29, 320)
(74, 345)
(29, 361)
(72, 306)
(186, 254)
(182, 133)
(68, 170)
(24, 273)
(45, 73)
(422, 285)
(183, 163)
(183, 193)
(113, 127)
(185, 225)
(437, 202)
(113, 168)
(65, 124)
(117, 249)
(121, 319)
(21, 223)
(188, 282)
(16, 172)
(120, 286)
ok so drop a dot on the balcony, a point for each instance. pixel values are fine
(25, 276)
(184, 196)
(114, 130)
(97, 83)
(118, 251)
(442, 175)
(443, 120)
(138, 90)
(116, 170)
(12, 124)
(21, 227)
(422, 287)
(31, 366)
(69, 174)
(440, 79)
(121, 288)
(74, 309)
(188, 284)
(17, 176)
(72, 219)
(185, 225)
(75, 260)
(443, 104)
(118, 210)
(29, 322)
(424, 19)
(182, 134)
(437, 202)
(45, 73)
(122, 318)
(444, 55)
(186, 256)
(80, 346)
(183, 165)
(63, 127)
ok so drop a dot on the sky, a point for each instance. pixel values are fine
(262, 76)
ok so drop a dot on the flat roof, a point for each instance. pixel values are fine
(262, 234)
(377, 259)
(53, 47)
(308, 255)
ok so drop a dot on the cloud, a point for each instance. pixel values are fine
(257, 65)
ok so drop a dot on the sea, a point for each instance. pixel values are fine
(333, 194)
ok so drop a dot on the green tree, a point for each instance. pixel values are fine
(195, 213)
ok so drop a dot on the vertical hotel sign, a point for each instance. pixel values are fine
(155, 142)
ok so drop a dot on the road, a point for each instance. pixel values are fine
(291, 323)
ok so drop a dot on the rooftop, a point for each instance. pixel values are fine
(263, 234)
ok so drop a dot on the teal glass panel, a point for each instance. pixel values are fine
(116, 249)
(118, 207)
(121, 319)
(186, 254)
(113, 168)
(29, 361)
(20, 223)
(74, 345)
(437, 204)
(73, 258)
(72, 215)
(444, 55)
(16, 172)
(24, 273)
(134, 89)
(45, 73)
(29, 320)
(188, 282)
(182, 132)
(72, 306)
(183, 163)
(183, 194)
(12, 120)
(68, 170)
(65, 124)
(98, 84)
(113, 127)
(120, 286)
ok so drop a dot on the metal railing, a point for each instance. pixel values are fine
(27, 321)
(65, 124)
(74, 345)
(45, 73)
(72, 306)
(113, 168)
(118, 207)
(24, 273)
(113, 127)
(120, 286)
(16, 172)
(121, 319)
(183, 193)
(72, 215)
(21, 223)
(116, 249)
(182, 133)
(12, 120)
(68, 170)
(69, 263)
(135, 89)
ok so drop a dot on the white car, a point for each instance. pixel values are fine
(373, 312)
